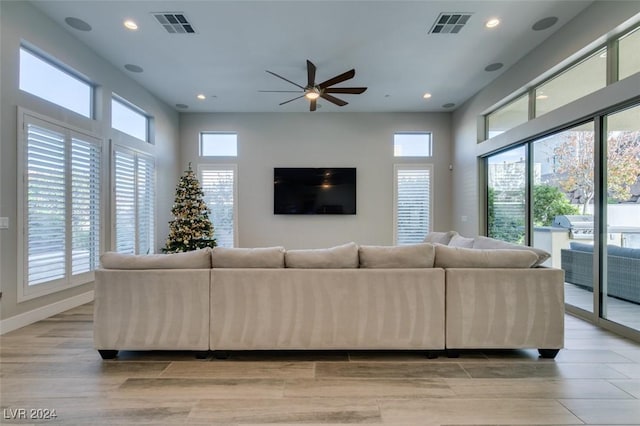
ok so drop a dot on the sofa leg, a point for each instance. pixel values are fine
(221, 354)
(107, 354)
(202, 354)
(453, 353)
(548, 353)
(432, 354)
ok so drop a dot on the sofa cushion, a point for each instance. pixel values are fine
(197, 259)
(262, 257)
(439, 237)
(343, 256)
(460, 241)
(481, 242)
(460, 257)
(409, 256)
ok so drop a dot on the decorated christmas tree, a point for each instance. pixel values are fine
(191, 227)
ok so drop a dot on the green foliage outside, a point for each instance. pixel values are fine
(549, 202)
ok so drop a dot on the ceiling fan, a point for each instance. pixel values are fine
(313, 91)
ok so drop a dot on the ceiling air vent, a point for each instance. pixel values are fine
(174, 22)
(450, 23)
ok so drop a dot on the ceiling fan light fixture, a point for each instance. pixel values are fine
(312, 94)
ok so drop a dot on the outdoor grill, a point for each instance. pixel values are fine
(580, 226)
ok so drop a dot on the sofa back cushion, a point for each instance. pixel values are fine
(481, 242)
(262, 257)
(409, 256)
(339, 257)
(439, 237)
(197, 259)
(460, 257)
(460, 241)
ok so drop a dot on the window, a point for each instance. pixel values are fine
(219, 187)
(129, 119)
(134, 202)
(412, 203)
(51, 82)
(628, 58)
(578, 81)
(218, 144)
(60, 208)
(506, 176)
(412, 144)
(508, 116)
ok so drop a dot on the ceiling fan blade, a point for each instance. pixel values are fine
(311, 74)
(291, 100)
(312, 105)
(279, 91)
(338, 79)
(352, 90)
(333, 99)
(285, 79)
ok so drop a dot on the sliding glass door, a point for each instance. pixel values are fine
(621, 246)
(578, 195)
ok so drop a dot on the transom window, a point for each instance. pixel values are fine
(412, 144)
(129, 119)
(218, 144)
(52, 82)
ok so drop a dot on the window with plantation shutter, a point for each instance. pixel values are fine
(133, 201)
(412, 203)
(219, 186)
(59, 215)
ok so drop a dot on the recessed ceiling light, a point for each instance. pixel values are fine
(426, 95)
(77, 24)
(492, 23)
(201, 97)
(130, 24)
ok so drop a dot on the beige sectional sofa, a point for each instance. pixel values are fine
(426, 296)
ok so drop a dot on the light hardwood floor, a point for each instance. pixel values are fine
(51, 365)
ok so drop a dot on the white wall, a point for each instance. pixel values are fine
(589, 29)
(342, 139)
(20, 21)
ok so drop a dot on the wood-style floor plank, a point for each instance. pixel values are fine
(52, 365)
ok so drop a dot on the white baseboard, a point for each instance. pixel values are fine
(26, 318)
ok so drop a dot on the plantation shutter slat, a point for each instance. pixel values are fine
(145, 205)
(218, 186)
(124, 187)
(413, 200)
(85, 219)
(46, 205)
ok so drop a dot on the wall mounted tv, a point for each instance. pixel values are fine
(326, 190)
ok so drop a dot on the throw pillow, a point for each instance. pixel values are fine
(460, 241)
(409, 256)
(263, 257)
(439, 237)
(343, 256)
(459, 257)
(197, 259)
(481, 242)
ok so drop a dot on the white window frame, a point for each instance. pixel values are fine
(411, 166)
(201, 143)
(227, 167)
(26, 291)
(136, 154)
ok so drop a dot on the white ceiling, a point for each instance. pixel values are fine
(387, 42)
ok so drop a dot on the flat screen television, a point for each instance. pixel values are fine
(323, 190)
